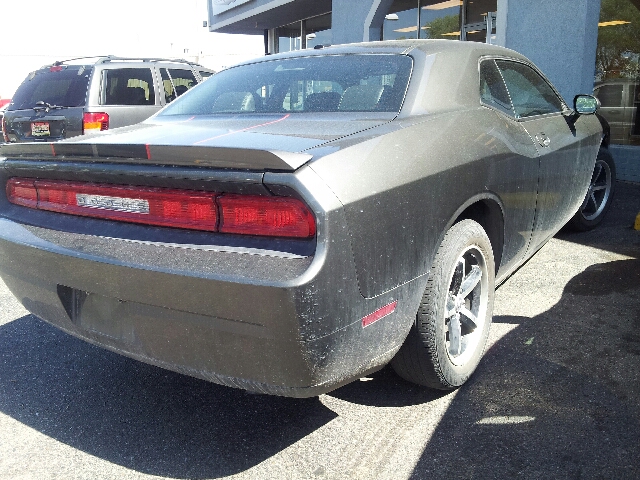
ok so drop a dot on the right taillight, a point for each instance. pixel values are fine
(95, 122)
(271, 216)
(188, 209)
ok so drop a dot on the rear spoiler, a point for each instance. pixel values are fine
(191, 156)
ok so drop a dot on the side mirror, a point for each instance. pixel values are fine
(585, 104)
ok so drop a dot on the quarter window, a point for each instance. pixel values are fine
(183, 80)
(530, 94)
(169, 94)
(493, 91)
(176, 81)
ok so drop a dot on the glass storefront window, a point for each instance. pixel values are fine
(440, 20)
(317, 32)
(617, 78)
(401, 22)
(478, 9)
(435, 18)
(476, 12)
(289, 37)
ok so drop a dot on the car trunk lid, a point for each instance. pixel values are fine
(264, 143)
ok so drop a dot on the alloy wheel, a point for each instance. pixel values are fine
(599, 191)
(466, 306)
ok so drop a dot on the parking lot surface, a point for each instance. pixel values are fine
(556, 396)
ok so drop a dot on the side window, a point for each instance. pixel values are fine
(493, 92)
(530, 94)
(128, 86)
(169, 93)
(183, 80)
(609, 95)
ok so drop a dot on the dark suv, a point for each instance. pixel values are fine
(87, 95)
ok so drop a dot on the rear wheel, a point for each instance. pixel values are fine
(599, 196)
(450, 332)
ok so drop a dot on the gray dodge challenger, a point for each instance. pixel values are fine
(301, 220)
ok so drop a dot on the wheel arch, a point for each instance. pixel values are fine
(488, 211)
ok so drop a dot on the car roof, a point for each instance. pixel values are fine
(402, 47)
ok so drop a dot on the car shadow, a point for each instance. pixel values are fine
(558, 396)
(138, 416)
(386, 389)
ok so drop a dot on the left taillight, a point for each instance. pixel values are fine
(187, 209)
(22, 192)
(150, 206)
(271, 216)
(95, 122)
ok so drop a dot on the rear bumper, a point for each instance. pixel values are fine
(284, 325)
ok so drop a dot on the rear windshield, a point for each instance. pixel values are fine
(61, 86)
(331, 83)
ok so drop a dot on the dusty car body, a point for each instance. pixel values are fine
(411, 212)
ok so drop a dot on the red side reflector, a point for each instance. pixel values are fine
(254, 215)
(378, 314)
(95, 122)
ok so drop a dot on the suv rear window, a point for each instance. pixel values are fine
(62, 86)
(127, 86)
(331, 83)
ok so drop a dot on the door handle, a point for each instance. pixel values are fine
(543, 140)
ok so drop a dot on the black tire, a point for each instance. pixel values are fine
(599, 196)
(443, 349)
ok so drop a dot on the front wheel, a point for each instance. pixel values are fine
(599, 195)
(449, 335)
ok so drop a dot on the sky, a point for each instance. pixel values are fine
(39, 32)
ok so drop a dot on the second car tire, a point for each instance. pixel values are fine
(599, 195)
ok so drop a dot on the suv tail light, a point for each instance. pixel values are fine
(95, 122)
(194, 210)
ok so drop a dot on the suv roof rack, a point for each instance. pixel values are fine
(113, 58)
(100, 59)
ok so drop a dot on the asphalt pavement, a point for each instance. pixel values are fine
(556, 396)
